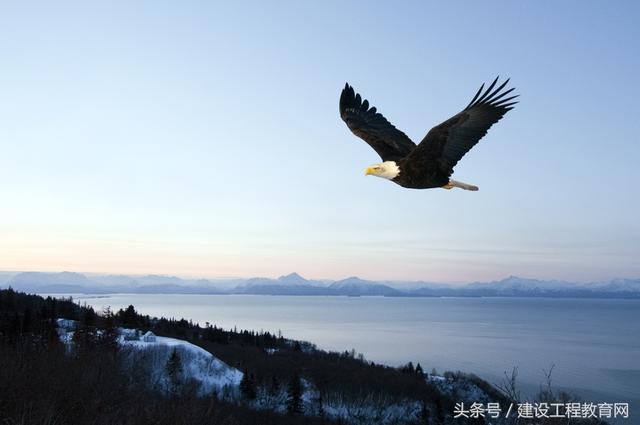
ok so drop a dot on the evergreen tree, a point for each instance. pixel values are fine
(108, 339)
(425, 414)
(50, 332)
(408, 368)
(439, 411)
(419, 370)
(294, 395)
(174, 371)
(248, 386)
(129, 317)
(319, 406)
(84, 339)
(14, 328)
(89, 317)
(274, 388)
(27, 321)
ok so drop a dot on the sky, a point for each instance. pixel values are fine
(203, 139)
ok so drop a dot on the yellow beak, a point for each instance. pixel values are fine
(369, 170)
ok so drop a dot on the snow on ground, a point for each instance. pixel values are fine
(152, 353)
(66, 324)
(436, 378)
(463, 389)
(147, 357)
(365, 410)
(197, 363)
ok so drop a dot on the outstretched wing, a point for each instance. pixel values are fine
(448, 142)
(368, 124)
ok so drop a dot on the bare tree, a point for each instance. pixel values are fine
(509, 386)
(546, 392)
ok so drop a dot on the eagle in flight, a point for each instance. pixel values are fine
(430, 163)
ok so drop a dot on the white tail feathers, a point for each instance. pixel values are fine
(465, 186)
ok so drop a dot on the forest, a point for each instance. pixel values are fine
(45, 381)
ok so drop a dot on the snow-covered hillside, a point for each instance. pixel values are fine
(198, 364)
(151, 352)
(147, 359)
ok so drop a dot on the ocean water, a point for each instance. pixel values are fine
(593, 344)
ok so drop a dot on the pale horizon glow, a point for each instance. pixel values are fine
(202, 139)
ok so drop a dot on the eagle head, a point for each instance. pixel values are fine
(387, 170)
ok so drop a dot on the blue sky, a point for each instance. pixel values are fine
(203, 139)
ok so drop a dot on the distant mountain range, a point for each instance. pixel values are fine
(294, 284)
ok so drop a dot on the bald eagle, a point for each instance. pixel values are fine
(430, 163)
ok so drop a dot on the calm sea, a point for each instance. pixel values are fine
(594, 344)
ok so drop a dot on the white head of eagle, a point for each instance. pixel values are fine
(387, 170)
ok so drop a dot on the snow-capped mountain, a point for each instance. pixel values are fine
(619, 285)
(517, 286)
(49, 282)
(69, 282)
(291, 284)
(354, 286)
(292, 279)
(514, 283)
(294, 284)
(5, 277)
